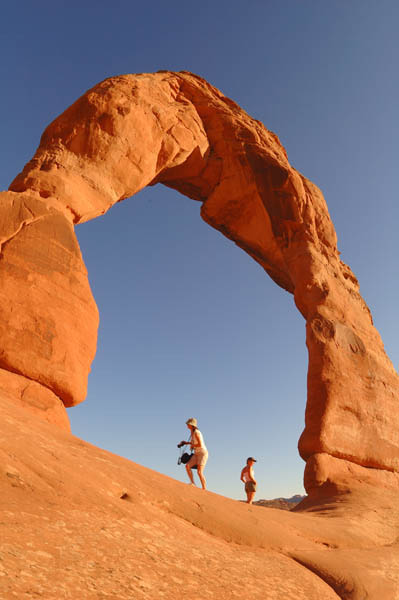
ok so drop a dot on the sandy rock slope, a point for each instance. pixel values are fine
(78, 522)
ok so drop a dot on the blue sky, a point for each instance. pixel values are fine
(190, 325)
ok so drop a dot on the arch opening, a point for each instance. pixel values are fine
(198, 330)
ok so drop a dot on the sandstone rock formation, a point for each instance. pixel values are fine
(48, 318)
(34, 397)
(174, 128)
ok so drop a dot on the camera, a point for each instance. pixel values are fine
(181, 444)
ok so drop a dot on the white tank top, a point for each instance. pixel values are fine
(196, 438)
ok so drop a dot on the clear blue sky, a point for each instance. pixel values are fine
(190, 325)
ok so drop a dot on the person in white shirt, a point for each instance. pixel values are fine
(200, 455)
(248, 479)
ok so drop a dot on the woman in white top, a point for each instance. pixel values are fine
(248, 479)
(200, 455)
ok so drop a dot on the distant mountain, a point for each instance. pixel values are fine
(282, 503)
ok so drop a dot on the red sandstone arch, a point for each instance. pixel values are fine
(174, 128)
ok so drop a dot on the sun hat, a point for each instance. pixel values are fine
(192, 422)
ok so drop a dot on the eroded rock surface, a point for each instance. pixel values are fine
(174, 128)
(34, 397)
(48, 318)
(77, 522)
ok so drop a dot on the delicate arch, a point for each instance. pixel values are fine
(174, 128)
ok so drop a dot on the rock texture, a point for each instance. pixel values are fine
(48, 318)
(34, 397)
(174, 128)
(79, 522)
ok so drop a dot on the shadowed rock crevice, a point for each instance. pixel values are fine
(175, 128)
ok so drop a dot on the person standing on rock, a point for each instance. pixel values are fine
(200, 455)
(248, 479)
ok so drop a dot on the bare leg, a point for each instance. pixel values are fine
(190, 473)
(200, 471)
(250, 497)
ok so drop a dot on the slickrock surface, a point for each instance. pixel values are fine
(77, 522)
(174, 128)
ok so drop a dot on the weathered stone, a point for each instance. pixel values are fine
(35, 398)
(48, 318)
(59, 494)
(79, 522)
(174, 128)
(327, 476)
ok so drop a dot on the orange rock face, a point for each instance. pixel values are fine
(174, 128)
(34, 397)
(48, 318)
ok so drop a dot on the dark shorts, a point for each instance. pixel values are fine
(250, 486)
